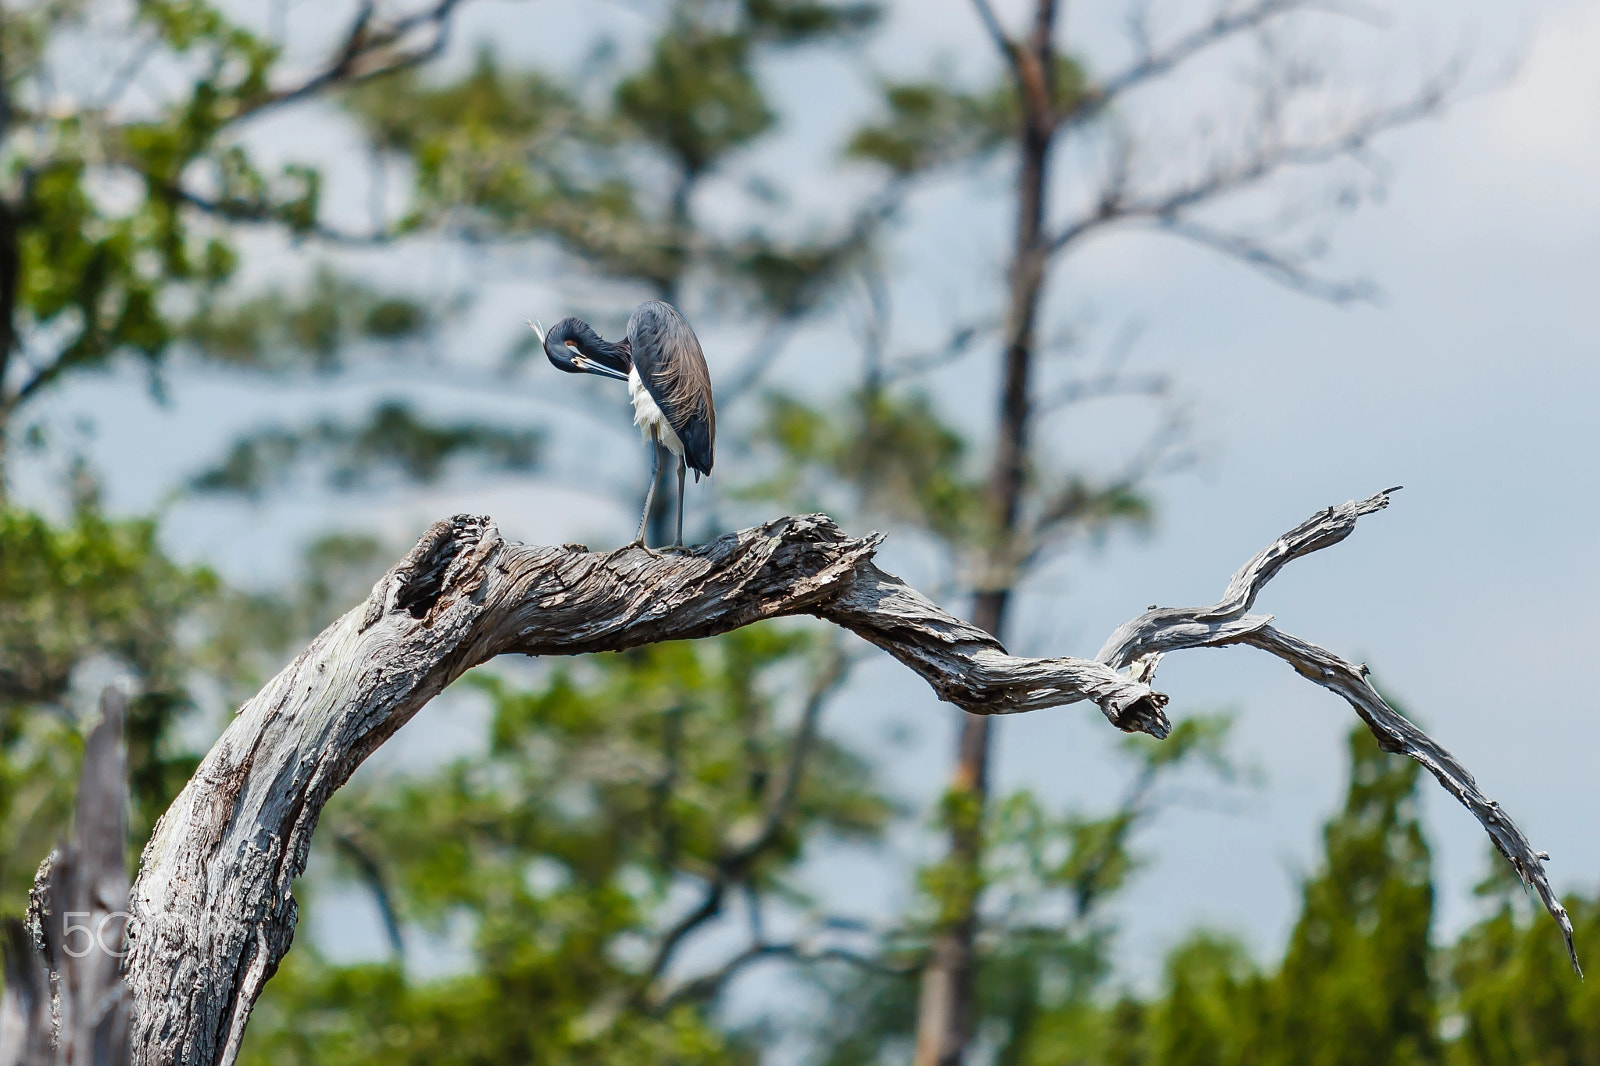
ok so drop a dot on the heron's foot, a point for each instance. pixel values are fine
(642, 546)
(677, 549)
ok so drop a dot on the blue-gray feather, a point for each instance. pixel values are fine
(672, 368)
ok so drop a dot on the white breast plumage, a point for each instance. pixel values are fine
(653, 425)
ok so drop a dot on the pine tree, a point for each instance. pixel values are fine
(1515, 999)
(1355, 986)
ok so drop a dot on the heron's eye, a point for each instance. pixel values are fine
(571, 344)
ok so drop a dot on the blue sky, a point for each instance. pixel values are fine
(1472, 383)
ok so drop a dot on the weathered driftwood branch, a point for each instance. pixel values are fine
(212, 908)
(1141, 643)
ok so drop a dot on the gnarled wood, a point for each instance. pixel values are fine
(212, 908)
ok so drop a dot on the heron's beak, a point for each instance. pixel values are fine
(589, 366)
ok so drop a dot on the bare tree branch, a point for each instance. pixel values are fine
(371, 874)
(1103, 386)
(213, 910)
(956, 347)
(1154, 62)
(1141, 643)
(1167, 207)
(736, 861)
(1002, 41)
(370, 49)
(708, 985)
(1173, 209)
(1279, 266)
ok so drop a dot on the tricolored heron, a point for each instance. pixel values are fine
(668, 382)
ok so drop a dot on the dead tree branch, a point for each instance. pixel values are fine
(212, 907)
(1253, 167)
(1141, 643)
(1152, 62)
(370, 49)
(708, 985)
(65, 1000)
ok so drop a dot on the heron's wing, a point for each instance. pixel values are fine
(672, 369)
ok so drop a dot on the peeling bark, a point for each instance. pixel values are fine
(212, 907)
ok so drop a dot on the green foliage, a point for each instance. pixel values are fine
(391, 439)
(1216, 1005)
(608, 791)
(95, 270)
(93, 583)
(799, 21)
(1045, 933)
(504, 153)
(39, 757)
(275, 330)
(91, 587)
(323, 328)
(896, 454)
(1355, 984)
(697, 97)
(903, 462)
(928, 125)
(515, 155)
(536, 1006)
(1516, 999)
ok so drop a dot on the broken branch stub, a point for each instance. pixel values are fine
(212, 908)
(65, 1003)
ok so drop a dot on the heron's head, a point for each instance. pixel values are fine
(572, 345)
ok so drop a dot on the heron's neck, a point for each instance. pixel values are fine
(595, 346)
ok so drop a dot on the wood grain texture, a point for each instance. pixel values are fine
(213, 912)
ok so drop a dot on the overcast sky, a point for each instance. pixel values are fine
(1473, 598)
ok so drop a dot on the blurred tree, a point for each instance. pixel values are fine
(150, 269)
(121, 174)
(121, 168)
(1045, 932)
(1509, 1002)
(1356, 983)
(127, 179)
(88, 587)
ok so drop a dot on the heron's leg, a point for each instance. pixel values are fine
(679, 541)
(650, 494)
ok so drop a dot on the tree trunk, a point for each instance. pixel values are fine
(945, 1016)
(66, 1004)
